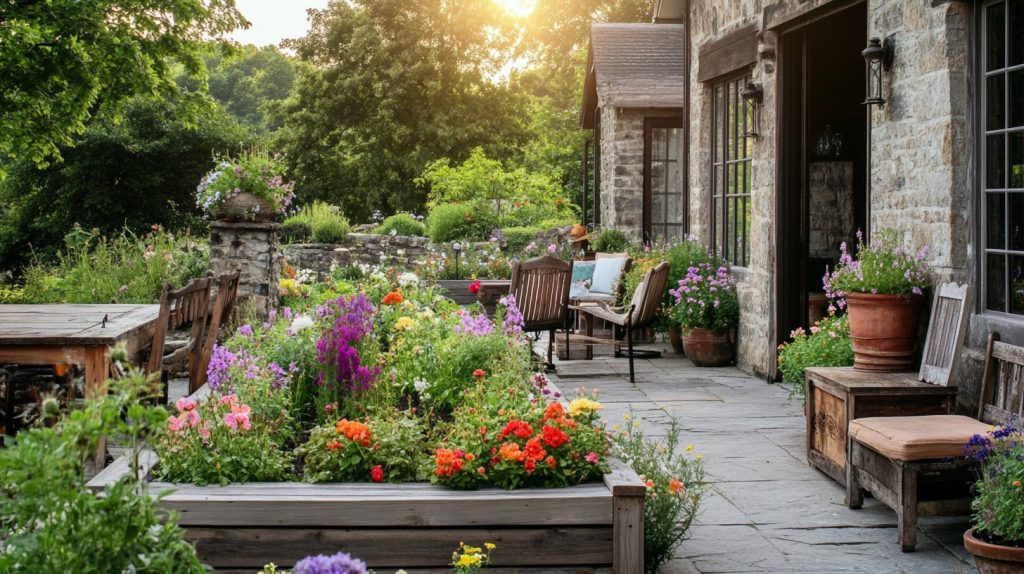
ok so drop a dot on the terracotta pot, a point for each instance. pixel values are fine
(994, 558)
(675, 338)
(884, 330)
(708, 348)
(245, 207)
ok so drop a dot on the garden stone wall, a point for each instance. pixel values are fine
(356, 249)
(252, 249)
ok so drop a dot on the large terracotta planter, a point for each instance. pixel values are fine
(994, 558)
(708, 348)
(245, 207)
(884, 330)
(675, 338)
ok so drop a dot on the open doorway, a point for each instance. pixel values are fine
(822, 192)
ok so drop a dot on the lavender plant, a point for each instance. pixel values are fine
(706, 299)
(883, 266)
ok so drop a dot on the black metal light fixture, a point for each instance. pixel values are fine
(457, 249)
(878, 59)
(753, 96)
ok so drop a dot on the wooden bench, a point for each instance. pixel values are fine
(915, 465)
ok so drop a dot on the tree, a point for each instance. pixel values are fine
(135, 166)
(60, 58)
(391, 85)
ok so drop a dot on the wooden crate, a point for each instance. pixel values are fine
(837, 395)
(595, 527)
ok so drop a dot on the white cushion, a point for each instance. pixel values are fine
(606, 275)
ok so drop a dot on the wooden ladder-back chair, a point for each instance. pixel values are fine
(641, 311)
(227, 292)
(178, 308)
(541, 290)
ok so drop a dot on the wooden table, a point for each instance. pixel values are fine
(837, 395)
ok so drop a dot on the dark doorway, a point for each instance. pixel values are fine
(822, 158)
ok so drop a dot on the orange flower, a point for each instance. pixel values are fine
(481, 470)
(1016, 483)
(550, 461)
(675, 486)
(448, 462)
(649, 483)
(534, 451)
(470, 457)
(333, 445)
(554, 411)
(510, 451)
(393, 298)
(353, 430)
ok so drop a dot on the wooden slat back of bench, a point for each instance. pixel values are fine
(1002, 387)
(945, 333)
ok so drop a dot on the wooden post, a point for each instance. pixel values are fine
(97, 365)
(628, 494)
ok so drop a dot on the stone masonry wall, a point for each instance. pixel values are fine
(254, 250)
(356, 249)
(622, 170)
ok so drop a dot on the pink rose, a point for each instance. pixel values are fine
(185, 404)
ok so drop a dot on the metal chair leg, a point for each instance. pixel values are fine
(629, 342)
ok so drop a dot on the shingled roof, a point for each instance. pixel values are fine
(634, 66)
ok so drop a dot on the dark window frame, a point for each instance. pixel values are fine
(650, 124)
(740, 164)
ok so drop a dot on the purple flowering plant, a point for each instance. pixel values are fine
(706, 299)
(998, 505)
(257, 172)
(340, 563)
(881, 266)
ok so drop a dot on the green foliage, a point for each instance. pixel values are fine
(52, 523)
(883, 266)
(402, 224)
(63, 58)
(296, 229)
(459, 221)
(349, 451)
(675, 486)
(517, 238)
(508, 197)
(326, 222)
(390, 86)
(254, 171)
(998, 505)
(827, 345)
(135, 166)
(123, 269)
(609, 241)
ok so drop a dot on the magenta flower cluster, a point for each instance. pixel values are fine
(337, 350)
(883, 266)
(706, 299)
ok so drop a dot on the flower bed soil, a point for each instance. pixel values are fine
(596, 527)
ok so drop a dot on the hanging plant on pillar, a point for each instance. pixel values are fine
(248, 188)
(882, 289)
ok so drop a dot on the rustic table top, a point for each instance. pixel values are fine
(866, 381)
(73, 324)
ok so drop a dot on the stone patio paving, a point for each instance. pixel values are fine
(766, 509)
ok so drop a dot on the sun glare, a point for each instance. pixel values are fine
(518, 8)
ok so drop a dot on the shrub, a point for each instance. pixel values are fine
(458, 221)
(609, 241)
(675, 485)
(402, 224)
(296, 229)
(517, 238)
(827, 345)
(123, 269)
(330, 230)
(326, 223)
(379, 449)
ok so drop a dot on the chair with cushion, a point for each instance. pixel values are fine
(180, 326)
(916, 464)
(227, 292)
(541, 290)
(605, 274)
(641, 311)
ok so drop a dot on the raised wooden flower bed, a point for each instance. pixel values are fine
(594, 527)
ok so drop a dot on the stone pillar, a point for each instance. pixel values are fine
(253, 249)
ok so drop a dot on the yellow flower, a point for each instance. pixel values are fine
(583, 406)
(490, 545)
(404, 323)
(467, 560)
(689, 448)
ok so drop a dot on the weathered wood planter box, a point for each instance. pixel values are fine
(238, 528)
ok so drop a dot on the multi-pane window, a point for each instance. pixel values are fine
(664, 201)
(1002, 153)
(731, 172)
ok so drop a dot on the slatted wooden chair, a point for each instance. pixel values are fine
(227, 293)
(641, 311)
(541, 290)
(915, 465)
(179, 308)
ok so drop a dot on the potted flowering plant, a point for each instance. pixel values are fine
(249, 187)
(883, 289)
(707, 308)
(997, 537)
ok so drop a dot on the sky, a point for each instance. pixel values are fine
(274, 20)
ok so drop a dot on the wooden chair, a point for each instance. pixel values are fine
(641, 311)
(178, 308)
(916, 465)
(541, 290)
(227, 293)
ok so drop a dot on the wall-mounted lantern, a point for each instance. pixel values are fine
(753, 97)
(878, 59)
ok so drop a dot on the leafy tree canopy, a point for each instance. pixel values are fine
(59, 58)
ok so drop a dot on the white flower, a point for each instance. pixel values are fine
(301, 322)
(393, 232)
(420, 385)
(408, 280)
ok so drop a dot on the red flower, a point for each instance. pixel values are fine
(554, 411)
(479, 373)
(530, 466)
(474, 287)
(534, 451)
(520, 429)
(393, 298)
(550, 461)
(377, 474)
(553, 437)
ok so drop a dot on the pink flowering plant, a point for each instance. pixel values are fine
(826, 344)
(216, 441)
(256, 172)
(881, 266)
(706, 299)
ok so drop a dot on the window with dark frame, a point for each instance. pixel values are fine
(1002, 154)
(731, 171)
(664, 217)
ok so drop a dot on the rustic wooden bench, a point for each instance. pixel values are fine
(916, 464)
